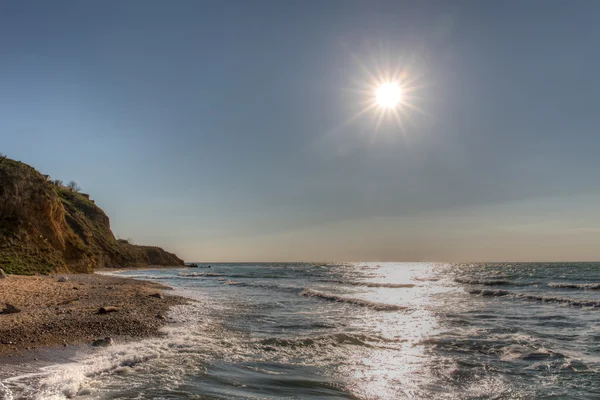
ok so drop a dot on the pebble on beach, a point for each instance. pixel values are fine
(107, 309)
(10, 309)
(52, 312)
(107, 341)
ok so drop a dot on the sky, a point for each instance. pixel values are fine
(228, 130)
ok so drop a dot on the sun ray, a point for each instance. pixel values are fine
(414, 108)
(386, 90)
(367, 108)
(400, 122)
(363, 67)
(379, 120)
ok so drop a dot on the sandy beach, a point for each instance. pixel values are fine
(57, 312)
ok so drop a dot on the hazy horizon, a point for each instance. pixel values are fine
(241, 131)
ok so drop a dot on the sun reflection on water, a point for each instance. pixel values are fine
(400, 360)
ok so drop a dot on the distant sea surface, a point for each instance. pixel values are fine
(353, 331)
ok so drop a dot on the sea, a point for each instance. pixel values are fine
(352, 331)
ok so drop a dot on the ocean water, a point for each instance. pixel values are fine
(353, 331)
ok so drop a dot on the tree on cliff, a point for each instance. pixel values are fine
(73, 186)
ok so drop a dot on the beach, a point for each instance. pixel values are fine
(380, 331)
(64, 310)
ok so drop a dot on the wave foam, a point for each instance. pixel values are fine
(234, 283)
(5, 393)
(201, 274)
(521, 352)
(357, 302)
(153, 277)
(490, 292)
(83, 376)
(371, 284)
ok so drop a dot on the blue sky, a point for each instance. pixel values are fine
(222, 130)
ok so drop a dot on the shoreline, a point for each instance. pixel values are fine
(58, 319)
(133, 268)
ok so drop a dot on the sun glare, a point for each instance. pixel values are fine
(388, 95)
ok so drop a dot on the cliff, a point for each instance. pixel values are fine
(47, 228)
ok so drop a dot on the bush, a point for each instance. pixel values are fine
(73, 186)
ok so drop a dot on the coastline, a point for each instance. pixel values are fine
(59, 318)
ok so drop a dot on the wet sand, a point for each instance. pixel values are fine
(57, 314)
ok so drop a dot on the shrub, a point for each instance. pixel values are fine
(73, 186)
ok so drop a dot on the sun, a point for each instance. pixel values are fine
(388, 95)
(386, 90)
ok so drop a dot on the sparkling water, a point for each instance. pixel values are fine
(353, 331)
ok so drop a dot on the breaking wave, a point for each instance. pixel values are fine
(330, 340)
(371, 284)
(201, 274)
(234, 283)
(484, 282)
(545, 299)
(490, 292)
(521, 350)
(492, 282)
(188, 337)
(528, 353)
(254, 276)
(284, 288)
(384, 285)
(562, 300)
(582, 286)
(151, 277)
(426, 279)
(357, 302)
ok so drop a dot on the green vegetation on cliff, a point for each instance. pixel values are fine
(46, 227)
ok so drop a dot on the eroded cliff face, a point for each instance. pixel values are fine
(47, 228)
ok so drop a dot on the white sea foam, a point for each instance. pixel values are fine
(5, 393)
(200, 274)
(64, 381)
(234, 283)
(520, 352)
